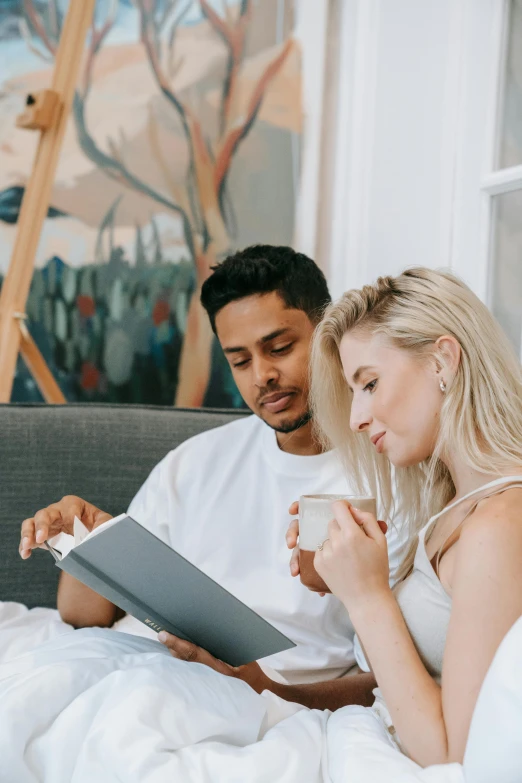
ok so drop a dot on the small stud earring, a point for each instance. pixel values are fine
(442, 386)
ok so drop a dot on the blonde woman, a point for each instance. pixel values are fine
(413, 376)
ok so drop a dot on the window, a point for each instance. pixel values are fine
(503, 185)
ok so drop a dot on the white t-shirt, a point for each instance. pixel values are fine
(221, 500)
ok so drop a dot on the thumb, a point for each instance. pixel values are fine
(367, 521)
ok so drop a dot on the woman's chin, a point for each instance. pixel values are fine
(406, 460)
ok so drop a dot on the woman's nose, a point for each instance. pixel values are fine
(360, 418)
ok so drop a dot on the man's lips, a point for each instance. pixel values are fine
(378, 441)
(276, 402)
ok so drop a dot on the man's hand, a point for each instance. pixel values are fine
(329, 695)
(251, 673)
(58, 518)
(292, 536)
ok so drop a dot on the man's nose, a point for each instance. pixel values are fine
(264, 371)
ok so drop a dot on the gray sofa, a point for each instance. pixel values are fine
(102, 453)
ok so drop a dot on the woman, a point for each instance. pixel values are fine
(412, 377)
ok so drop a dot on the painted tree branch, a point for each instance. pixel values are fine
(233, 35)
(232, 140)
(150, 31)
(98, 35)
(26, 33)
(116, 169)
(36, 24)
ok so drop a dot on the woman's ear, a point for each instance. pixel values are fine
(447, 357)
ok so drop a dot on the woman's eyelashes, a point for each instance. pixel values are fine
(371, 386)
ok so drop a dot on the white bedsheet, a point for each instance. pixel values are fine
(100, 705)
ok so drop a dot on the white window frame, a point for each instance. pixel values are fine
(479, 179)
(483, 43)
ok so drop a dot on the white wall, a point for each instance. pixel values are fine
(412, 127)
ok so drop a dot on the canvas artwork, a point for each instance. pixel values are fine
(183, 145)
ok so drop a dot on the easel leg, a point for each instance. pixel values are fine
(35, 203)
(35, 362)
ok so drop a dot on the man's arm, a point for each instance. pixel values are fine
(329, 695)
(81, 607)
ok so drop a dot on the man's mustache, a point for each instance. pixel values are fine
(267, 393)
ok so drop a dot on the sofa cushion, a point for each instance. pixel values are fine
(102, 453)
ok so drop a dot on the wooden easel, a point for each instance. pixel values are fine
(47, 112)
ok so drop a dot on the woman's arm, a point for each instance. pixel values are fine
(487, 601)
(433, 722)
(411, 695)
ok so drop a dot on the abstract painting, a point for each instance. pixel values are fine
(183, 145)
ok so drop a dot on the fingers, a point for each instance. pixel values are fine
(346, 515)
(294, 508)
(369, 524)
(333, 528)
(44, 521)
(180, 648)
(294, 562)
(48, 522)
(27, 538)
(292, 534)
(187, 651)
(35, 530)
(343, 513)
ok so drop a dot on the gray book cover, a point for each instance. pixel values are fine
(132, 568)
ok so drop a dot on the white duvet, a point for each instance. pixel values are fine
(99, 705)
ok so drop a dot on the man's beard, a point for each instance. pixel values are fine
(292, 426)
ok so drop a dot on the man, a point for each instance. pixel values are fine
(221, 498)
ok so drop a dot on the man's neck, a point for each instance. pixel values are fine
(300, 442)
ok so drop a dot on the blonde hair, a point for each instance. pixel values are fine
(481, 415)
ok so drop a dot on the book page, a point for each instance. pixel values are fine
(99, 529)
(64, 543)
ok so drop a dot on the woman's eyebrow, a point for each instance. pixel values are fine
(359, 371)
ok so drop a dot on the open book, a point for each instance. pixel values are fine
(127, 564)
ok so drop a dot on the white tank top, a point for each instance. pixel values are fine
(424, 603)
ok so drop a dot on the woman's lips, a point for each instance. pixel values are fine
(279, 403)
(379, 443)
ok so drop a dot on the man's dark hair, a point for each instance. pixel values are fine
(262, 269)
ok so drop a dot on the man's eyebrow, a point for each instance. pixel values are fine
(238, 349)
(261, 341)
(273, 335)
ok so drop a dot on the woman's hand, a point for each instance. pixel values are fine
(58, 518)
(354, 559)
(251, 673)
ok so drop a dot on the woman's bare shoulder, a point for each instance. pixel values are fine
(496, 518)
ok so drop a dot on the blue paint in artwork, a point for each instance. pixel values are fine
(10, 203)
